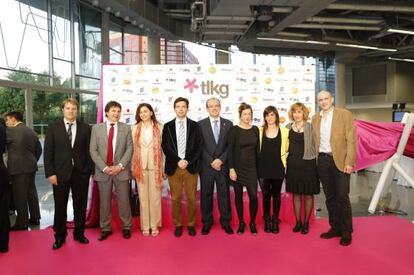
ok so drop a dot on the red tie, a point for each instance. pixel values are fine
(110, 153)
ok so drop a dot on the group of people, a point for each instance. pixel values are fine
(216, 151)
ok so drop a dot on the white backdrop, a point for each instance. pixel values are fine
(159, 85)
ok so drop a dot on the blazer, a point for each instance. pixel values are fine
(284, 148)
(59, 156)
(147, 155)
(233, 143)
(342, 137)
(23, 149)
(123, 151)
(211, 150)
(193, 147)
(4, 174)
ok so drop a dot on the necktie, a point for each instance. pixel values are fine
(110, 152)
(181, 139)
(70, 132)
(216, 131)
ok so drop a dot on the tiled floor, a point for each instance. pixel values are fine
(362, 187)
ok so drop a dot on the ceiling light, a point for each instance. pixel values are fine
(118, 14)
(95, 3)
(126, 18)
(134, 22)
(365, 47)
(293, 40)
(401, 59)
(264, 13)
(108, 9)
(398, 30)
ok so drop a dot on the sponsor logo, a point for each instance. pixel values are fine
(171, 80)
(268, 80)
(212, 70)
(295, 90)
(240, 79)
(268, 99)
(280, 70)
(208, 88)
(127, 81)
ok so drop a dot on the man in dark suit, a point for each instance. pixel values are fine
(214, 130)
(111, 150)
(4, 195)
(68, 167)
(23, 152)
(182, 144)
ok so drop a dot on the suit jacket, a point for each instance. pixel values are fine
(342, 137)
(23, 150)
(4, 175)
(193, 147)
(58, 152)
(211, 149)
(123, 151)
(147, 154)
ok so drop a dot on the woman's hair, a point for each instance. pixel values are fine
(244, 106)
(137, 116)
(296, 106)
(268, 110)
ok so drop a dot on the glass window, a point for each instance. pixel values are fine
(11, 99)
(240, 58)
(62, 73)
(88, 107)
(115, 44)
(61, 29)
(135, 49)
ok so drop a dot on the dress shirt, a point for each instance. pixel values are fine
(326, 125)
(177, 133)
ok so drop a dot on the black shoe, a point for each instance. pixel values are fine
(275, 227)
(332, 233)
(305, 228)
(58, 244)
(191, 231)
(298, 226)
(253, 228)
(227, 228)
(81, 239)
(18, 228)
(178, 231)
(267, 226)
(240, 230)
(205, 230)
(346, 239)
(104, 235)
(126, 233)
(4, 249)
(34, 221)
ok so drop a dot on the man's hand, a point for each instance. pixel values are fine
(52, 180)
(182, 164)
(116, 170)
(216, 164)
(348, 169)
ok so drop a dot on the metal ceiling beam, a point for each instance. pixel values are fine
(347, 20)
(335, 27)
(372, 7)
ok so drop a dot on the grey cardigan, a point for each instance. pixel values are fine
(309, 140)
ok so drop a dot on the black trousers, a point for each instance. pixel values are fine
(336, 187)
(253, 203)
(4, 216)
(79, 184)
(271, 190)
(223, 197)
(25, 198)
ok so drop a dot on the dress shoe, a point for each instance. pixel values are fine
(4, 249)
(332, 233)
(346, 239)
(18, 228)
(267, 226)
(253, 228)
(145, 233)
(178, 231)
(240, 230)
(34, 221)
(155, 232)
(81, 239)
(227, 228)
(305, 228)
(205, 230)
(192, 231)
(126, 233)
(104, 235)
(275, 227)
(298, 226)
(58, 244)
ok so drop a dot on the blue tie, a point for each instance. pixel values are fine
(216, 131)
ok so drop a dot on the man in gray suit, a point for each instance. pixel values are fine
(111, 151)
(214, 130)
(24, 151)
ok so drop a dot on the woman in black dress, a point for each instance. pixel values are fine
(4, 194)
(302, 178)
(243, 141)
(272, 163)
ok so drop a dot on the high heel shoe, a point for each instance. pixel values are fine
(297, 227)
(275, 227)
(240, 230)
(305, 228)
(268, 226)
(253, 228)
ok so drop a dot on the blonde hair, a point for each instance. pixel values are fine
(296, 106)
(71, 100)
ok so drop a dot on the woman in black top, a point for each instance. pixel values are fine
(4, 194)
(272, 161)
(243, 141)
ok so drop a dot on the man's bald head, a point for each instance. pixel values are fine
(325, 100)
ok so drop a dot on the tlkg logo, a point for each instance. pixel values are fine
(208, 88)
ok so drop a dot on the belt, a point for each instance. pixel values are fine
(325, 154)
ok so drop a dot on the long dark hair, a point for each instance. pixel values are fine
(268, 110)
(138, 118)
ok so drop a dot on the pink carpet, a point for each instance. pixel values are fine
(382, 245)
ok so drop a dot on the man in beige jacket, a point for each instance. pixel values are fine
(335, 142)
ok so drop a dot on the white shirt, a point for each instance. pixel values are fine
(326, 125)
(73, 129)
(108, 127)
(181, 153)
(212, 123)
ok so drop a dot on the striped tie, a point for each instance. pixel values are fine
(181, 139)
(70, 132)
